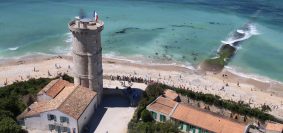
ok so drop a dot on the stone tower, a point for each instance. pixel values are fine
(87, 54)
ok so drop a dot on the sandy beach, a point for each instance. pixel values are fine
(226, 84)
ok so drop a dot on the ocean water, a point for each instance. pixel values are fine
(186, 31)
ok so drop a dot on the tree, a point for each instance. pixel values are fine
(154, 90)
(146, 116)
(8, 125)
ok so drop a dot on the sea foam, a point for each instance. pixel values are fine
(249, 31)
(68, 37)
(13, 48)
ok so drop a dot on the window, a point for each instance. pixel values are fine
(64, 119)
(153, 115)
(57, 128)
(162, 118)
(192, 128)
(188, 128)
(51, 117)
(181, 126)
(65, 129)
(200, 130)
(51, 127)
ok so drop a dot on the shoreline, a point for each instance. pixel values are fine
(141, 60)
(39, 57)
(228, 85)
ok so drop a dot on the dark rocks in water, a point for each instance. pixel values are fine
(171, 47)
(225, 53)
(126, 29)
(194, 54)
(156, 53)
(183, 57)
(186, 26)
(158, 29)
(179, 25)
(214, 23)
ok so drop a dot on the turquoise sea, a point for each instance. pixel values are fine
(186, 31)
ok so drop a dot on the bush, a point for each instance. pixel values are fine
(154, 127)
(8, 125)
(146, 116)
(147, 125)
(12, 102)
(68, 78)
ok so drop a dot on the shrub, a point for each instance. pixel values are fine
(8, 125)
(147, 125)
(146, 116)
(12, 102)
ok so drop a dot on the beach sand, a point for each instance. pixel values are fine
(227, 84)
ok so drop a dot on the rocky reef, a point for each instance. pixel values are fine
(218, 62)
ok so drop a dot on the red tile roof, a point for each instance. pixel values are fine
(206, 120)
(170, 94)
(77, 102)
(72, 100)
(274, 127)
(55, 89)
(162, 105)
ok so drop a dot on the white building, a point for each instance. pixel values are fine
(61, 107)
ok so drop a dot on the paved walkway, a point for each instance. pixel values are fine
(115, 112)
(112, 116)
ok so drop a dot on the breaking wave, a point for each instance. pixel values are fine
(68, 37)
(13, 48)
(241, 34)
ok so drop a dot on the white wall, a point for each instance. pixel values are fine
(87, 114)
(41, 122)
(158, 115)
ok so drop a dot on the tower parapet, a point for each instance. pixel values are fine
(87, 54)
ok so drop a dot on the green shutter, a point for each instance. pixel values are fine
(153, 114)
(162, 118)
(192, 128)
(181, 125)
(187, 127)
(200, 130)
